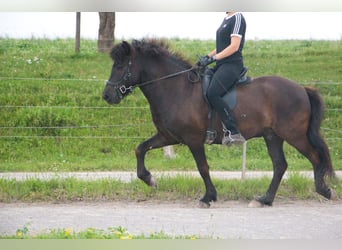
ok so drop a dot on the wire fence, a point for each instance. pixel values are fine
(94, 79)
(101, 126)
(51, 79)
(31, 128)
(133, 130)
(339, 132)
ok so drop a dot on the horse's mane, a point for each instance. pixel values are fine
(150, 47)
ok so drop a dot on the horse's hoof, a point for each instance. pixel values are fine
(153, 182)
(333, 195)
(255, 204)
(203, 204)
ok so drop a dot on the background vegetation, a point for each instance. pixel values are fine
(53, 117)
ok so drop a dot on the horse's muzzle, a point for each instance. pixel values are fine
(110, 99)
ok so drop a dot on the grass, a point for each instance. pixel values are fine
(112, 233)
(59, 134)
(180, 188)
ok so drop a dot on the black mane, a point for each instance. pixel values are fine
(149, 47)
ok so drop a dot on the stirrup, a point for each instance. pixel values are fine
(228, 140)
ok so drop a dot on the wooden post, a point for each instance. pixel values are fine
(169, 152)
(78, 32)
(243, 173)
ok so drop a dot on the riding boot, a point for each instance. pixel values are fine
(231, 134)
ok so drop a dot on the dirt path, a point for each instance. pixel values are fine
(126, 176)
(227, 220)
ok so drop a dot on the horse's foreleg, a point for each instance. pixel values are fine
(275, 150)
(155, 141)
(198, 153)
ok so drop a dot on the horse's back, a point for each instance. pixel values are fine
(273, 90)
(271, 102)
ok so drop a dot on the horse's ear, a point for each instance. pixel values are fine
(127, 47)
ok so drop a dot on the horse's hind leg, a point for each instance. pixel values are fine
(275, 150)
(320, 167)
(155, 141)
(198, 153)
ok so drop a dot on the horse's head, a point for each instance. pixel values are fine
(137, 63)
(122, 77)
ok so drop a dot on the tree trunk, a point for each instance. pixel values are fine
(106, 31)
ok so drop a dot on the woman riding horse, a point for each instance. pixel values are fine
(271, 107)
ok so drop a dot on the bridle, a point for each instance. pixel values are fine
(120, 85)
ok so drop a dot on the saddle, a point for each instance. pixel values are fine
(244, 79)
(230, 98)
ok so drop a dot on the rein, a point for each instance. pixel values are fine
(165, 77)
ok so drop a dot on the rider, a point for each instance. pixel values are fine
(230, 38)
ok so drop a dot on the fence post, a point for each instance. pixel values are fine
(243, 172)
(169, 152)
(78, 32)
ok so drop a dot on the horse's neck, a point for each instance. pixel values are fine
(162, 93)
(160, 76)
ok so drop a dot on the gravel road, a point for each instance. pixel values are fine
(225, 220)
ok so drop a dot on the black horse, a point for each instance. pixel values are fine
(271, 107)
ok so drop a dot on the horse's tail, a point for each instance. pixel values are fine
(313, 133)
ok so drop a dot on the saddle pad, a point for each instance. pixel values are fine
(230, 98)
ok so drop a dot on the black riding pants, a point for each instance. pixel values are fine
(225, 75)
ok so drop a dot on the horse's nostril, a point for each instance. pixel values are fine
(105, 96)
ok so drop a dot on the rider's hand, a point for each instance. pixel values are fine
(205, 60)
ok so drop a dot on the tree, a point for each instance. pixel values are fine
(106, 31)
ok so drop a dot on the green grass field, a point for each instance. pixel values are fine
(53, 117)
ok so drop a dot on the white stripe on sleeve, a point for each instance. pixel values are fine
(237, 23)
